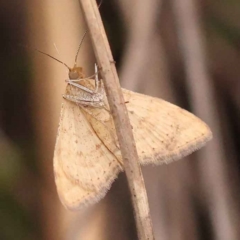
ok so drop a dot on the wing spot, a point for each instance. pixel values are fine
(80, 154)
(98, 146)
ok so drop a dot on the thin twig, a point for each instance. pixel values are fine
(120, 117)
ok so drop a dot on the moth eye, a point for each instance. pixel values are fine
(73, 75)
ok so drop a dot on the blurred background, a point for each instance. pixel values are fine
(186, 52)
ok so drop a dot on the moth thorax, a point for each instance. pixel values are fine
(75, 73)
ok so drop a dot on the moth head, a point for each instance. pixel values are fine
(75, 73)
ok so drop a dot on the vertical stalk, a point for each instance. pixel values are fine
(120, 116)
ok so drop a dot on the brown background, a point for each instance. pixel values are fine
(186, 52)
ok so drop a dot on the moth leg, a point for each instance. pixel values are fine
(69, 81)
(96, 78)
(98, 82)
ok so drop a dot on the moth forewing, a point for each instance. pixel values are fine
(163, 132)
(84, 168)
(87, 157)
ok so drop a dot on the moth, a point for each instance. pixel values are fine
(87, 157)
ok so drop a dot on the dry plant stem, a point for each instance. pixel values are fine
(121, 120)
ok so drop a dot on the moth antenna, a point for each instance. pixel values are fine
(46, 54)
(55, 46)
(84, 35)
